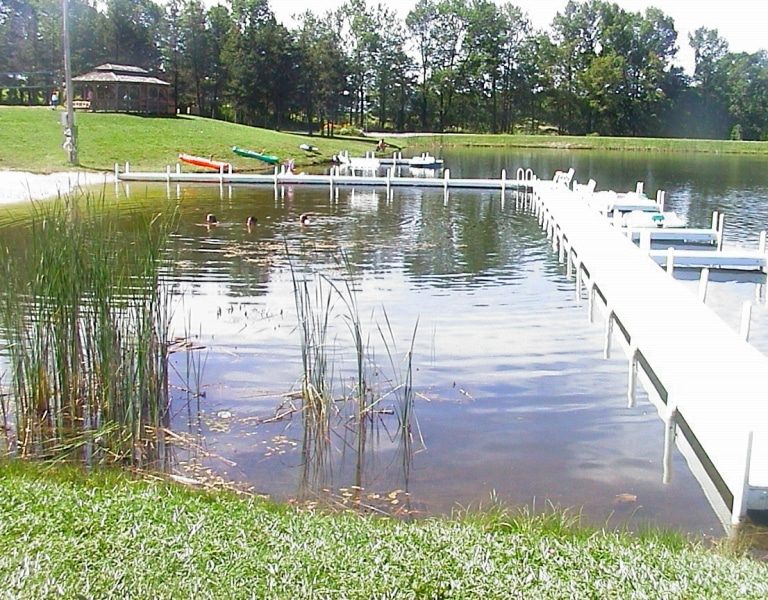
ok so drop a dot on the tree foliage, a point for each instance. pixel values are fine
(458, 65)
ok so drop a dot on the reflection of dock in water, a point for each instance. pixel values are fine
(706, 380)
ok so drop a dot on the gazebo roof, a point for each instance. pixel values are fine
(110, 73)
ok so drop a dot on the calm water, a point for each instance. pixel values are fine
(513, 397)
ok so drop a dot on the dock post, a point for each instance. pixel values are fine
(608, 334)
(703, 284)
(389, 179)
(446, 177)
(746, 320)
(671, 261)
(503, 186)
(720, 229)
(741, 493)
(761, 243)
(275, 175)
(632, 377)
(591, 303)
(670, 429)
(167, 174)
(568, 263)
(127, 167)
(178, 168)
(117, 170)
(645, 241)
(579, 280)
(639, 188)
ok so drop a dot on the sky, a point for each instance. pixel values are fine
(744, 23)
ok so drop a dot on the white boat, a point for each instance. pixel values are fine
(357, 163)
(425, 161)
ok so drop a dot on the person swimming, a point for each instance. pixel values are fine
(304, 218)
(251, 221)
(211, 219)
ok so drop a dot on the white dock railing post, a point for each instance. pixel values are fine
(639, 188)
(741, 493)
(591, 303)
(446, 177)
(746, 320)
(645, 241)
(127, 167)
(178, 168)
(167, 174)
(703, 284)
(671, 260)
(632, 376)
(117, 170)
(579, 280)
(761, 243)
(720, 229)
(275, 175)
(608, 334)
(670, 429)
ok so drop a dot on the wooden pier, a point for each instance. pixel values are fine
(708, 382)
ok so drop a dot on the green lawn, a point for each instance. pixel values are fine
(31, 139)
(67, 535)
(593, 143)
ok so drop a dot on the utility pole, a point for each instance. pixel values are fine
(70, 131)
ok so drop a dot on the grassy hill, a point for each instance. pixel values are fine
(31, 139)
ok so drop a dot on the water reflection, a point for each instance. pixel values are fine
(510, 389)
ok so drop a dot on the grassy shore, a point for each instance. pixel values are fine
(31, 139)
(108, 535)
(592, 143)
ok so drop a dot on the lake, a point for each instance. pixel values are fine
(512, 399)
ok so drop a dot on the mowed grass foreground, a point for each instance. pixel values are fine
(31, 139)
(107, 535)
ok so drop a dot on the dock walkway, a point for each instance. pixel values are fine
(711, 382)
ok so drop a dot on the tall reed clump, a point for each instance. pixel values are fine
(85, 320)
(321, 301)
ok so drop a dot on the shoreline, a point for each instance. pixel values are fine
(24, 186)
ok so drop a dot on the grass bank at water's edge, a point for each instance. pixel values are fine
(106, 535)
(566, 142)
(31, 139)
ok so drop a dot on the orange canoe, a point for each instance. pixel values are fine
(207, 163)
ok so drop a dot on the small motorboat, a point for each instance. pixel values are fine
(207, 163)
(267, 158)
(425, 161)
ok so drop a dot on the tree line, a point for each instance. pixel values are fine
(449, 65)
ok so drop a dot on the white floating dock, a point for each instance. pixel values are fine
(334, 179)
(737, 260)
(710, 383)
(676, 235)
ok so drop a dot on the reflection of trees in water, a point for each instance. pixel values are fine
(471, 236)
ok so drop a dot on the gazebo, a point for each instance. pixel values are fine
(123, 88)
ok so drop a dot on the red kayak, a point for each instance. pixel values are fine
(207, 163)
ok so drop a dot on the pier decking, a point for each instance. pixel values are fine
(709, 382)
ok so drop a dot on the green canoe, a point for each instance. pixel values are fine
(267, 158)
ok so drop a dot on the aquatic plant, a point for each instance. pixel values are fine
(85, 319)
(321, 300)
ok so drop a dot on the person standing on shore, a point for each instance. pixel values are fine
(54, 99)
